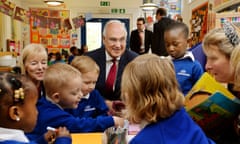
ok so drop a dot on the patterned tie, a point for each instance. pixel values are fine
(111, 77)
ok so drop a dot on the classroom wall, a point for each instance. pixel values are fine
(133, 11)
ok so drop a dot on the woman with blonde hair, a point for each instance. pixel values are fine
(152, 97)
(34, 62)
(218, 45)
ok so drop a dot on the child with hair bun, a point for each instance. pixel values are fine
(18, 112)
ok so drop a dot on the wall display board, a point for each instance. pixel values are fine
(199, 23)
(50, 27)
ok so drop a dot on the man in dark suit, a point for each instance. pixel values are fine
(141, 38)
(114, 49)
(158, 45)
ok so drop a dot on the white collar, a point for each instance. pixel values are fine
(188, 54)
(86, 96)
(109, 58)
(50, 100)
(12, 134)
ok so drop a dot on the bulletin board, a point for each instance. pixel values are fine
(199, 23)
(50, 27)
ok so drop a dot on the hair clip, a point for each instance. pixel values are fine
(231, 33)
(18, 95)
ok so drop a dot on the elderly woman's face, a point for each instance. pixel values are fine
(218, 65)
(35, 66)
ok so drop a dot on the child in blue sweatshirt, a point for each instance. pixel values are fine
(92, 103)
(63, 85)
(18, 112)
(159, 108)
(187, 69)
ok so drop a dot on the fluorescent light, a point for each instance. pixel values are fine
(53, 2)
(149, 6)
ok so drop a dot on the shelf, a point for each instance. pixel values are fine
(233, 17)
(225, 5)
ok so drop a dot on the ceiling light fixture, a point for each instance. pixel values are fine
(148, 5)
(53, 2)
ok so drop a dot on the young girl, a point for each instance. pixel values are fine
(159, 107)
(18, 112)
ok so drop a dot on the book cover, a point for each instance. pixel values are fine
(212, 106)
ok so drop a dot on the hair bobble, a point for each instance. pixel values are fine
(231, 34)
(18, 95)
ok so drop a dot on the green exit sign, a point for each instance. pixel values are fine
(104, 3)
(118, 11)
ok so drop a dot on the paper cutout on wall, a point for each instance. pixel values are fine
(21, 15)
(78, 22)
(7, 7)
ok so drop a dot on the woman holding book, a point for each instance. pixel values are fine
(218, 45)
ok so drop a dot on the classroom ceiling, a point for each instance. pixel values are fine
(40, 3)
(83, 3)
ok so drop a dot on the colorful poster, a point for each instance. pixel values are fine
(199, 23)
(78, 22)
(50, 27)
(173, 6)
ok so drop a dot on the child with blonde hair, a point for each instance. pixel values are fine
(159, 107)
(63, 85)
(18, 112)
(92, 103)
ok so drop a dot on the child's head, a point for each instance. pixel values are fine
(34, 61)
(176, 39)
(89, 70)
(63, 85)
(74, 50)
(150, 89)
(18, 98)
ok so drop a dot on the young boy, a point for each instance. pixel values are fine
(92, 103)
(63, 85)
(188, 71)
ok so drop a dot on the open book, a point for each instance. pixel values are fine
(212, 106)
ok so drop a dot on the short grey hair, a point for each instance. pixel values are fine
(114, 21)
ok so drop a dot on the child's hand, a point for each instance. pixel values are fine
(118, 105)
(53, 133)
(115, 107)
(119, 122)
(50, 136)
(63, 132)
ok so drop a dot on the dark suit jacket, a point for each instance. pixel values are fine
(135, 42)
(158, 45)
(100, 58)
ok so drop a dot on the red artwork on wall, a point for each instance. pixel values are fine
(199, 23)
